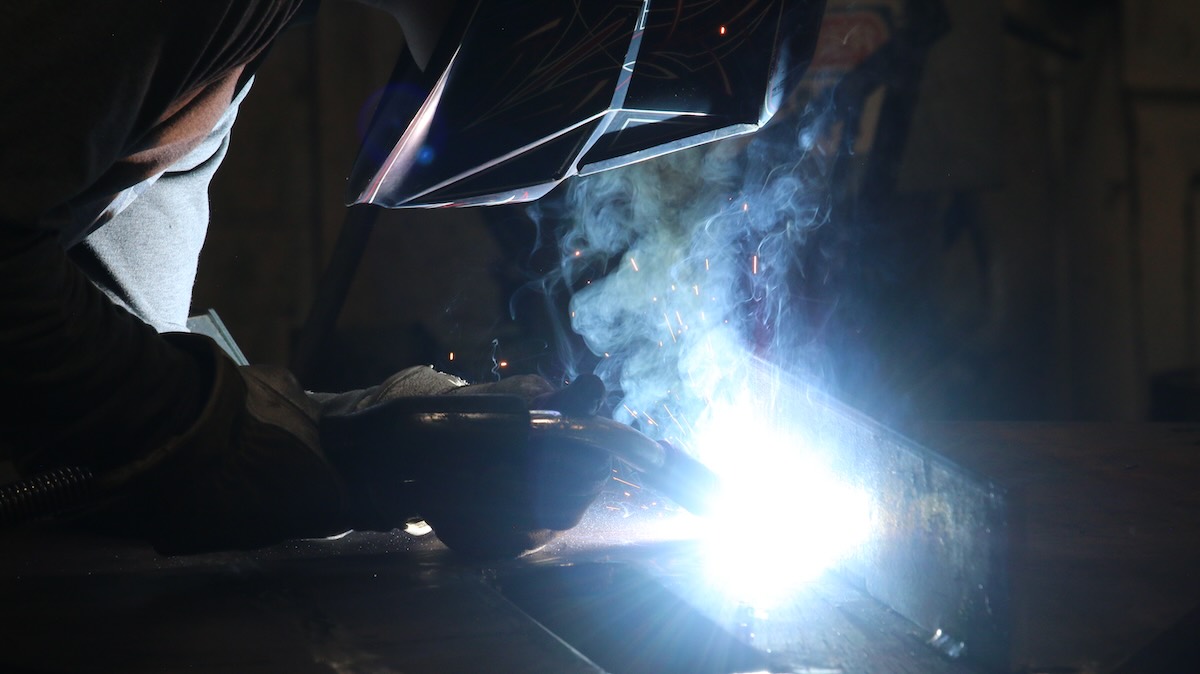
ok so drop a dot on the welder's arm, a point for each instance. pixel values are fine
(192, 453)
(82, 373)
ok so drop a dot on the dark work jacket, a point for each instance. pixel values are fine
(96, 99)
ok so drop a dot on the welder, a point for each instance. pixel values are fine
(113, 118)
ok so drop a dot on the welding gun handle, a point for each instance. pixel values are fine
(359, 441)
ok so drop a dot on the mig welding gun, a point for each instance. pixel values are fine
(463, 463)
(500, 470)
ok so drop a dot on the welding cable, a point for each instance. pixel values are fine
(44, 495)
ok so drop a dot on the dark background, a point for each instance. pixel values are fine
(1034, 255)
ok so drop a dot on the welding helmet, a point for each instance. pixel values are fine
(520, 96)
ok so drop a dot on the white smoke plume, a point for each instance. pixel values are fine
(683, 266)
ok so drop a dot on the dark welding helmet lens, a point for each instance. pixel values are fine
(519, 97)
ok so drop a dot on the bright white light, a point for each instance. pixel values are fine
(783, 517)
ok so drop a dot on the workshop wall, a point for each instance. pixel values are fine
(1048, 199)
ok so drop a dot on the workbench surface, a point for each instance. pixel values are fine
(605, 599)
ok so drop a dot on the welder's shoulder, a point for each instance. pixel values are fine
(83, 84)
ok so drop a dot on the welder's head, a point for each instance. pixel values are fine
(518, 96)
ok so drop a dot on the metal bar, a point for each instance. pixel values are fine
(939, 555)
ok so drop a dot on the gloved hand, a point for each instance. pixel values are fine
(480, 482)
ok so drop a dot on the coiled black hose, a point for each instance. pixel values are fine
(43, 495)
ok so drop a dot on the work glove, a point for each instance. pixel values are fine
(487, 487)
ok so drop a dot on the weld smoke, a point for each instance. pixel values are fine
(683, 268)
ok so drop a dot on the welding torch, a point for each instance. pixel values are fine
(664, 467)
(471, 419)
(484, 418)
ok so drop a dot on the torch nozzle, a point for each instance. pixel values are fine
(664, 468)
(684, 480)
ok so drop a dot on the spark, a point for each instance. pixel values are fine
(679, 318)
(670, 328)
(705, 264)
(625, 482)
(682, 426)
(451, 355)
(721, 30)
(578, 253)
(630, 410)
(633, 263)
(754, 265)
(696, 289)
(504, 363)
(745, 207)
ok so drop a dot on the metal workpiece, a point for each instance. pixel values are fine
(939, 553)
(938, 547)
